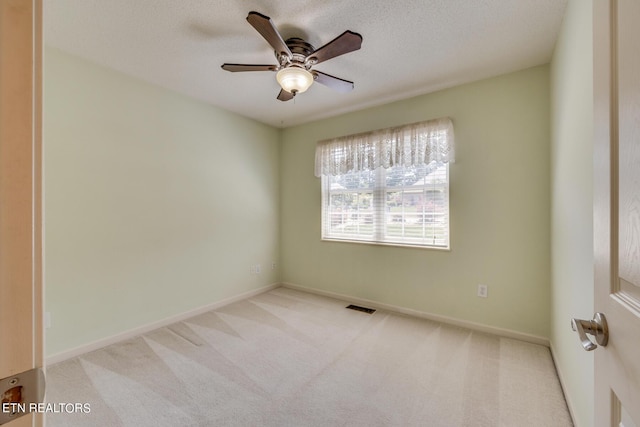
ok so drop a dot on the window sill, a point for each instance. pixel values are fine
(398, 245)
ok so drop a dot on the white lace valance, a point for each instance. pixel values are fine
(413, 144)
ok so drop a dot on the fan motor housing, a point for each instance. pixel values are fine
(300, 50)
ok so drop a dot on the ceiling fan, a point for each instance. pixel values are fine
(296, 57)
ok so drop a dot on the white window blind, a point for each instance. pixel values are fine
(404, 200)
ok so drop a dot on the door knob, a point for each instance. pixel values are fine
(596, 327)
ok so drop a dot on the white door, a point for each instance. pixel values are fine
(617, 209)
(20, 213)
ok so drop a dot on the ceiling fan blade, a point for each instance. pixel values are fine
(334, 83)
(344, 43)
(285, 96)
(248, 67)
(265, 27)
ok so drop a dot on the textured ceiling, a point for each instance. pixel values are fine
(410, 47)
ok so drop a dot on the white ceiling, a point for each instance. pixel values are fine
(409, 47)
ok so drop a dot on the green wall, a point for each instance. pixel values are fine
(499, 196)
(155, 204)
(572, 204)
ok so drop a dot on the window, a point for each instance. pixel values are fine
(402, 202)
(399, 205)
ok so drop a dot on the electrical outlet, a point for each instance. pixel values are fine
(483, 291)
(258, 268)
(273, 265)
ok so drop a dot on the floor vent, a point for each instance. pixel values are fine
(363, 309)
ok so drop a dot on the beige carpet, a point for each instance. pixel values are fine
(289, 358)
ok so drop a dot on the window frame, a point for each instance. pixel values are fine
(380, 189)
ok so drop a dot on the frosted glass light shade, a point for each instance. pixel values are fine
(294, 79)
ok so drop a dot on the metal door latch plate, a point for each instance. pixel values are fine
(19, 392)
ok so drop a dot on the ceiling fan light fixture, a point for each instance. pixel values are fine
(296, 57)
(294, 79)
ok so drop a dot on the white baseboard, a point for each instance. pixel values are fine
(507, 333)
(95, 345)
(567, 396)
